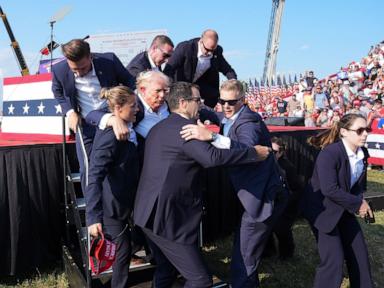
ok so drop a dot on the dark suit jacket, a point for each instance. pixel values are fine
(168, 199)
(182, 66)
(139, 64)
(113, 177)
(256, 184)
(330, 193)
(109, 71)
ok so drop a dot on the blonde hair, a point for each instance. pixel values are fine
(332, 135)
(118, 95)
(233, 85)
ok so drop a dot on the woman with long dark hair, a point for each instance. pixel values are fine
(334, 196)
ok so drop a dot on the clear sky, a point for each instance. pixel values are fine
(319, 35)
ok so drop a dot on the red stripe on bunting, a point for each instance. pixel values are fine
(28, 79)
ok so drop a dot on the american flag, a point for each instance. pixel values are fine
(29, 106)
(375, 145)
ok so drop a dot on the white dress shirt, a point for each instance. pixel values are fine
(88, 92)
(223, 141)
(153, 65)
(151, 118)
(132, 134)
(88, 96)
(356, 163)
(203, 64)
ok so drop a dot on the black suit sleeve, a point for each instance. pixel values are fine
(58, 93)
(329, 186)
(177, 59)
(102, 157)
(209, 156)
(224, 66)
(134, 69)
(95, 116)
(248, 134)
(123, 75)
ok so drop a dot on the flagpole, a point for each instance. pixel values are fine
(51, 23)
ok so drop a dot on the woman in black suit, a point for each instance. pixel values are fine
(334, 196)
(112, 181)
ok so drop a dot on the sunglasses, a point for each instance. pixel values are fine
(195, 99)
(361, 130)
(206, 49)
(165, 54)
(229, 102)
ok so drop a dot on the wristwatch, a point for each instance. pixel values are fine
(214, 136)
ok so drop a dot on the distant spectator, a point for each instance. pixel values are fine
(368, 89)
(308, 121)
(335, 101)
(298, 112)
(342, 74)
(334, 119)
(310, 79)
(292, 105)
(377, 111)
(299, 95)
(281, 106)
(322, 120)
(366, 108)
(308, 100)
(320, 98)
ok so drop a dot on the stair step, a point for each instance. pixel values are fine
(80, 203)
(74, 177)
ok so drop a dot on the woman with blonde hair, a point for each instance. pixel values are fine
(112, 182)
(334, 196)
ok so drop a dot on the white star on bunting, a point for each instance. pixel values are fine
(377, 145)
(40, 108)
(58, 109)
(10, 109)
(26, 108)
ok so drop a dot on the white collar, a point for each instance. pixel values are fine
(359, 154)
(149, 109)
(153, 65)
(92, 73)
(233, 118)
(200, 53)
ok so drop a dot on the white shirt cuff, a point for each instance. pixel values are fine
(69, 112)
(222, 142)
(104, 120)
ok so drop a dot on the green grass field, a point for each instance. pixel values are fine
(299, 272)
(295, 273)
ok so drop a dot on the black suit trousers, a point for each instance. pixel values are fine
(120, 233)
(186, 258)
(347, 242)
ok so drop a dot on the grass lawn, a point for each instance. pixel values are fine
(299, 272)
(295, 273)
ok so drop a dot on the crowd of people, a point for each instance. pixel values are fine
(357, 88)
(145, 135)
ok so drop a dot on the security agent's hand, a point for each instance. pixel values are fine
(95, 230)
(74, 120)
(198, 132)
(262, 152)
(119, 126)
(365, 209)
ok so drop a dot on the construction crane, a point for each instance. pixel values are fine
(15, 45)
(273, 40)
